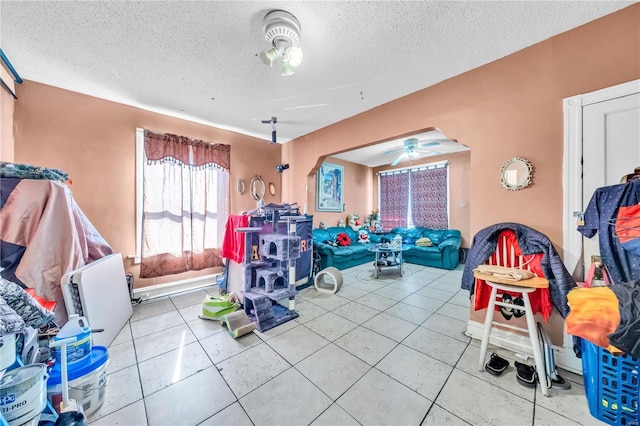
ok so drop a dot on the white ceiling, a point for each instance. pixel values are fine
(380, 155)
(198, 60)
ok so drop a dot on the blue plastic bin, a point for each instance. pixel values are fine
(611, 385)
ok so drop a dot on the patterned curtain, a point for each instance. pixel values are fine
(429, 204)
(186, 203)
(394, 200)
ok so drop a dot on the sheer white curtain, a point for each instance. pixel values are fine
(186, 199)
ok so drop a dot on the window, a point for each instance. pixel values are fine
(183, 191)
(415, 197)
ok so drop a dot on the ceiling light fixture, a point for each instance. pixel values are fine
(282, 32)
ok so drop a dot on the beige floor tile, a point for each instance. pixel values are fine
(288, 399)
(182, 403)
(446, 325)
(356, 312)
(365, 344)
(131, 415)
(163, 370)
(481, 403)
(330, 326)
(232, 415)
(440, 417)
(297, 344)
(250, 369)
(333, 370)
(167, 340)
(416, 371)
(436, 345)
(333, 416)
(410, 313)
(377, 302)
(377, 399)
(389, 326)
(221, 346)
(156, 323)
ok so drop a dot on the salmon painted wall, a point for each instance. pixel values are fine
(357, 194)
(94, 141)
(510, 107)
(6, 125)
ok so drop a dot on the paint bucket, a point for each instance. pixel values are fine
(80, 350)
(23, 393)
(7, 351)
(87, 381)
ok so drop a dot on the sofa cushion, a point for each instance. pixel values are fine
(322, 235)
(409, 235)
(436, 236)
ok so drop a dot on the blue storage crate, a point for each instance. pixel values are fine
(611, 385)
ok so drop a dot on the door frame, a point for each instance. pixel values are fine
(572, 191)
(572, 167)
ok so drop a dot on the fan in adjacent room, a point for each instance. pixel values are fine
(413, 148)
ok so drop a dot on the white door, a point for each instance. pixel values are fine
(611, 149)
(602, 143)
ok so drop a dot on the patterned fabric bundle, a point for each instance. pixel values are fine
(24, 304)
(10, 321)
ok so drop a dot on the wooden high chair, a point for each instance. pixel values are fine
(505, 255)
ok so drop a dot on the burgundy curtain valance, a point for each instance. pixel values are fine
(161, 147)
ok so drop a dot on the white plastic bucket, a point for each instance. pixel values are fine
(22, 393)
(87, 382)
(7, 351)
(80, 350)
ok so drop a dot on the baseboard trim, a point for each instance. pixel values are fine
(517, 343)
(166, 289)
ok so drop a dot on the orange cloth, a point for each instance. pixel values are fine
(540, 299)
(594, 315)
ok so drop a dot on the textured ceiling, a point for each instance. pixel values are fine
(198, 60)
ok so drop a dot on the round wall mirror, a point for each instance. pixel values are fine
(257, 188)
(516, 174)
(272, 188)
(241, 186)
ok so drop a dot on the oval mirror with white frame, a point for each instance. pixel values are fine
(516, 174)
(272, 188)
(241, 186)
(257, 188)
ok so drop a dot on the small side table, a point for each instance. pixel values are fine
(387, 256)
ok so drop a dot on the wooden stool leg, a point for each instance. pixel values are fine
(488, 320)
(535, 345)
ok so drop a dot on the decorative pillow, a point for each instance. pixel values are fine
(343, 239)
(424, 242)
(24, 305)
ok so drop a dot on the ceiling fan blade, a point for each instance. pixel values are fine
(400, 157)
(430, 143)
(395, 151)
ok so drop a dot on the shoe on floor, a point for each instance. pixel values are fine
(525, 374)
(496, 365)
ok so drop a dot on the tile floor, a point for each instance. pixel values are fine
(387, 351)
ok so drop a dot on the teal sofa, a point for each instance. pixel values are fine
(444, 253)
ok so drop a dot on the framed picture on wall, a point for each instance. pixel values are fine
(330, 188)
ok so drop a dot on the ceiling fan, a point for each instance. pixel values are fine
(412, 149)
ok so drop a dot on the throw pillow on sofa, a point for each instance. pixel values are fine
(343, 239)
(424, 242)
